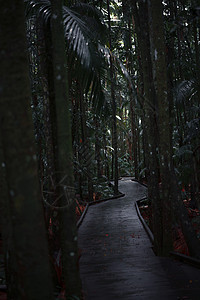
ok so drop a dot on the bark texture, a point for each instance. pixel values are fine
(114, 109)
(150, 119)
(27, 237)
(161, 85)
(64, 155)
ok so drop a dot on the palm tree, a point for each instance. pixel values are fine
(62, 22)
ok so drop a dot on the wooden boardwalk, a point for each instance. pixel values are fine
(117, 260)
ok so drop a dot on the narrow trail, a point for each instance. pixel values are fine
(117, 261)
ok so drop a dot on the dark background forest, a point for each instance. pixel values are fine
(91, 91)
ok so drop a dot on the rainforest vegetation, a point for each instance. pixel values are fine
(91, 91)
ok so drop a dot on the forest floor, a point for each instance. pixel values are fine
(117, 260)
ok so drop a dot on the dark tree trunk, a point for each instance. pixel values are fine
(64, 155)
(29, 250)
(97, 147)
(114, 109)
(85, 156)
(150, 120)
(10, 266)
(160, 80)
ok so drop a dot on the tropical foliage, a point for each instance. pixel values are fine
(114, 93)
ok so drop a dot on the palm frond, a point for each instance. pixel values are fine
(183, 150)
(184, 91)
(86, 57)
(76, 31)
(94, 20)
(106, 53)
(40, 9)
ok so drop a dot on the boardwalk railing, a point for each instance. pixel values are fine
(184, 258)
(96, 202)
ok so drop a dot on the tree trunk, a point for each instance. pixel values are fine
(150, 120)
(64, 155)
(160, 80)
(197, 56)
(24, 209)
(6, 231)
(129, 65)
(114, 109)
(97, 147)
(85, 151)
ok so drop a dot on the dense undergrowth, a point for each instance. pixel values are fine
(179, 243)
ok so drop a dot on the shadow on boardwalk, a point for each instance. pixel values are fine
(117, 260)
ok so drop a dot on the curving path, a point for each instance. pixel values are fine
(117, 261)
